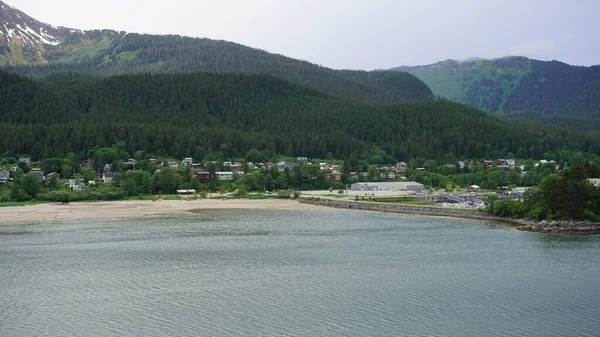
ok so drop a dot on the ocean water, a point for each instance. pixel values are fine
(295, 273)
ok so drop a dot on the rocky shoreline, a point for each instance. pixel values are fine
(563, 227)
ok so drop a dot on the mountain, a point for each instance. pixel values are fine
(29, 47)
(514, 84)
(226, 115)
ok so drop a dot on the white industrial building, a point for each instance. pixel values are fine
(391, 186)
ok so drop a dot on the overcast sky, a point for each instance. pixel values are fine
(355, 34)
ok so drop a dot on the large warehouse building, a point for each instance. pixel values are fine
(395, 186)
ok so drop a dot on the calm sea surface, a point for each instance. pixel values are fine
(295, 273)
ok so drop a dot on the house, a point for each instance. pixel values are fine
(77, 184)
(25, 160)
(390, 175)
(391, 186)
(595, 182)
(401, 167)
(336, 175)
(282, 165)
(4, 176)
(54, 176)
(130, 164)
(172, 164)
(473, 188)
(543, 162)
(305, 159)
(107, 177)
(38, 172)
(488, 163)
(204, 177)
(235, 166)
(187, 162)
(224, 175)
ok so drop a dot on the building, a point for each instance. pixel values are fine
(38, 172)
(107, 177)
(204, 177)
(473, 188)
(25, 160)
(595, 182)
(224, 175)
(336, 175)
(186, 191)
(4, 176)
(282, 165)
(391, 186)
(76, 184)
(401, 167)
(172, 164)
(302, 159)
(187, 162)
(54, 176)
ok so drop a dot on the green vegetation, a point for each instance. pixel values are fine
(229, 115)
(564, 196)
(516, 84)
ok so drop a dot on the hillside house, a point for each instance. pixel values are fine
(4, 176)
(172, 164)
(38, 172)
(76, 184)
(25, 160)
(595, 182)
(224, 175)
(401, 167)
(336, 175)
(54, 176)
(473, 188)
(107, 177)
(204, 177)
(187, 162)
(282, 165)
(302, 159)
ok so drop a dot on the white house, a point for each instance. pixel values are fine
(187, 162)
(107, 177)
(224, 175)
(76, 184)
(4, 176)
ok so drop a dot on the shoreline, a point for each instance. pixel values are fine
(140, 209)
(543, 227)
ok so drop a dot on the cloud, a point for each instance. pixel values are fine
(544, 49)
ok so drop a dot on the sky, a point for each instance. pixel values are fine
(354, 34)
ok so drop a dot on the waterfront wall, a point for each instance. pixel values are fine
(561, 227)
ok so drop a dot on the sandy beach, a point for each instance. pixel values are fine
(134, 208)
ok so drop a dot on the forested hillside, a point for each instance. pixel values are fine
(229, 114)
(516, 84)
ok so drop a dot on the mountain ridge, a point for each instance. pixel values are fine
(515, 83)
(108, 52)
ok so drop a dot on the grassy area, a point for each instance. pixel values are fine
(127, 56)
(22, 203)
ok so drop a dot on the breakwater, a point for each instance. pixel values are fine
(560, 227)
